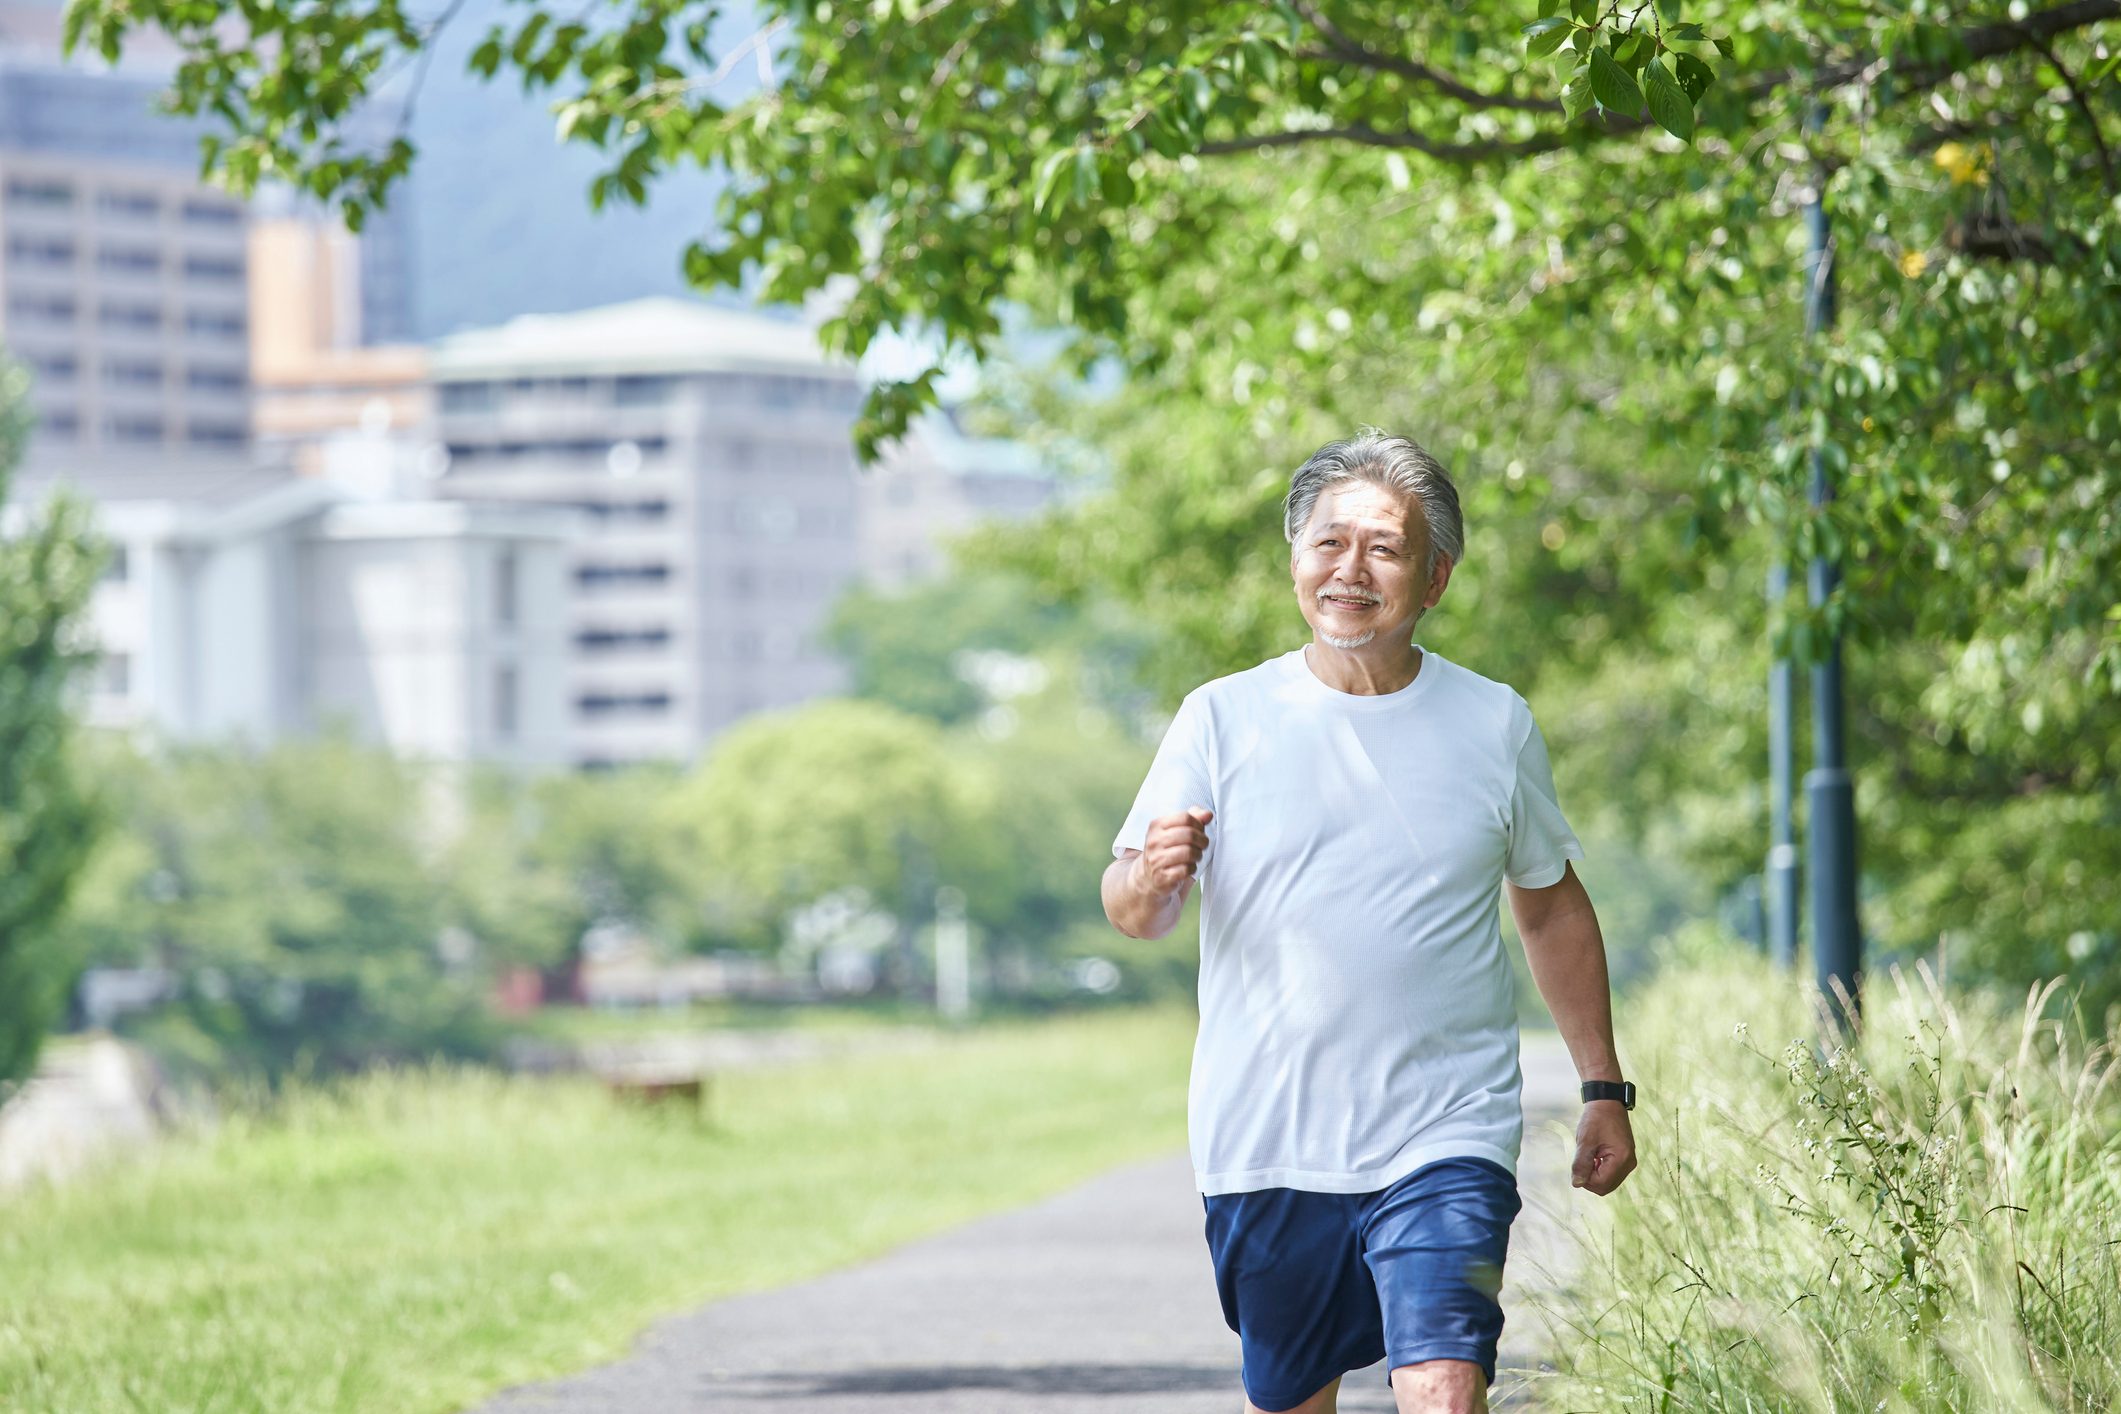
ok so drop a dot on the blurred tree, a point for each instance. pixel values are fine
(48, 823)
(295, 894)
(906, 648)
(792, 806)
(925, 649)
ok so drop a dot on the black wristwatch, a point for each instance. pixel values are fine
(1621, 1090)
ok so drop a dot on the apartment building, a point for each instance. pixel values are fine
(123, 278)
(709, 451)
(122, 289)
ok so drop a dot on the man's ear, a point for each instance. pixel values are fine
(1438, 579)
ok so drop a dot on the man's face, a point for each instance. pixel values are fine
(1357, 566)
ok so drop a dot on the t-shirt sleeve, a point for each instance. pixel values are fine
(1178, 777)
(1540, 838)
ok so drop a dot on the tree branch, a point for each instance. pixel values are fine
(2091, 119)
(1340, 46)
(1986, 42)
(1368, 136)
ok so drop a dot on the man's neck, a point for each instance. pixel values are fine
(1369, 671)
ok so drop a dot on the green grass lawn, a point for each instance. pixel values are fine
(416, 1240)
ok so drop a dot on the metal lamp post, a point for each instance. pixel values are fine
(1830, 803)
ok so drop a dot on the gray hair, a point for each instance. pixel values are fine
(1395, 463)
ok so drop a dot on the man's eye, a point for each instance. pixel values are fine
(1387, 549)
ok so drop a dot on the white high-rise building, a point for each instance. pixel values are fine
(710, 452)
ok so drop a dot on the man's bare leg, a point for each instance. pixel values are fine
(1326, 1401)
(1440, 1387)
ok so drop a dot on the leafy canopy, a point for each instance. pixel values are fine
(1269, 182)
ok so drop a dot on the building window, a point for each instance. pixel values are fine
(114, 674)
(636, 390)
(213, 269)
(39, 191)
(133, 372)
(132, 427)
(41, 250)
(599, 704)
(211, 213)
(641, 511)
(208, 378)
(119, 314)
(213, 324)
(59, 426)
(611, 640)
(505, 685)
(504, 588)
(129, 259)
(216, 434)
(54, 309)
(467, 397)
(55, 368)
(140, 205)
(119, 567)
(615, 576)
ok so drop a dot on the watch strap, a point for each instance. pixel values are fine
(1621, 1090)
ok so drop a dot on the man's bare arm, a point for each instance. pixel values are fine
(1567, 955)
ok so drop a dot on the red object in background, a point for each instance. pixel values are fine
(518, 990)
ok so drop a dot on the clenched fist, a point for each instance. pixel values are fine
(1171, 851)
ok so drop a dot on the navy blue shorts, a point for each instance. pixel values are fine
(1318, 1284)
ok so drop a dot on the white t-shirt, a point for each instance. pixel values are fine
(1357, 1016)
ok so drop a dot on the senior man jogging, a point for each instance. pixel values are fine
(1351, 810)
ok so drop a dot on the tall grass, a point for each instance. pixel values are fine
(413, 1240)
(1928, 1219)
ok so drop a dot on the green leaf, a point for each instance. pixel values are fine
(1668, 102)
(1668, 12)
(1047, 187)
(1694, 76)
(1576, 94)
(1545, 36)
(1585, 11)
(1085, 175)
(1613, 86)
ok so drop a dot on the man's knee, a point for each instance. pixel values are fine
(1440, 1387)
(1326, 1401)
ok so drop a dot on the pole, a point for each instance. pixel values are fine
(953, 955)
(1830, 804)
(1782, 848)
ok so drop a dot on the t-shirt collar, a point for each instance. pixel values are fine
(1364, 702)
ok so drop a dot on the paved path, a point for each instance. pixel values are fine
(1098, 1301)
